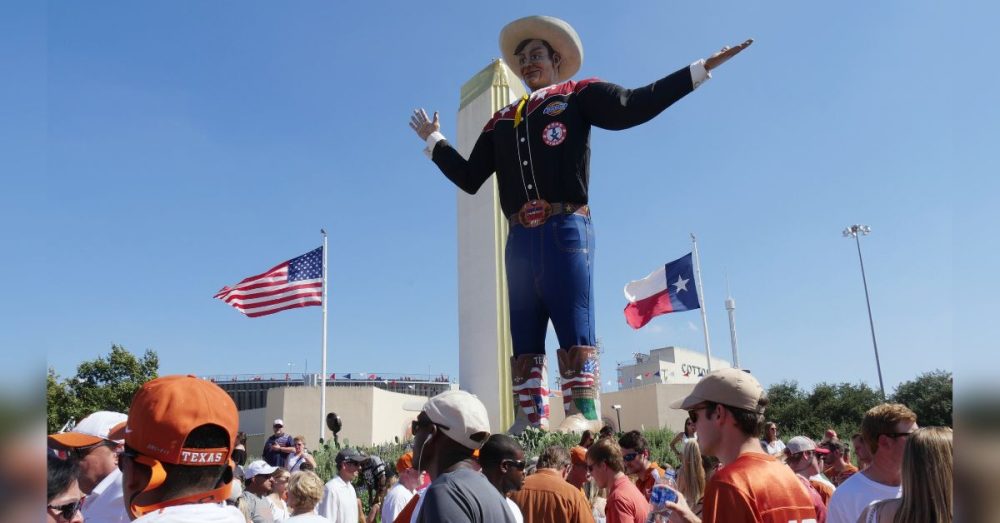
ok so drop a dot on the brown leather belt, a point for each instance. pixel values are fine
(557, 208)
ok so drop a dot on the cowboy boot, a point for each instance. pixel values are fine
(581, 379)
(530, 378)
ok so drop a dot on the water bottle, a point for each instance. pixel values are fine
(662, 493)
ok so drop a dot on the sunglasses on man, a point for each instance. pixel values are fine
(630, 456)
(417, 423)
(68, 510)
(518, 464)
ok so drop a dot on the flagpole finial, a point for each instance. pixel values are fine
(693, 237)
(322, 231)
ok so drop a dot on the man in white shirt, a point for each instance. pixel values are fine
(885, 429)
(177, 466)
(90, 444)
(401, 494)
(340, 500)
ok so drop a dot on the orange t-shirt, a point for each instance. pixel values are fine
(756, 488)
(647, 479)
(837, 479)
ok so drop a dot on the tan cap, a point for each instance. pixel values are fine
(461, 416)
(730, 387)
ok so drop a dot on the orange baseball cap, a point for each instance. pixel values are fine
(578, 455)
(165, 410)
(95, 428)
(405, 462)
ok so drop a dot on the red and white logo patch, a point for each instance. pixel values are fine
(554, 134)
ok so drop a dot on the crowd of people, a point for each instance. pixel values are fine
(177, 456)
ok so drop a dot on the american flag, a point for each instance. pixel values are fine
(295, 283)
(533, 392)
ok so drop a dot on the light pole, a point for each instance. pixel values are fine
(855, 231)
(618, 410)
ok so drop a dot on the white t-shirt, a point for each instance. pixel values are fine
(106, 502)
(774, 448)
(853, 495)
(199, 513)
(514, 509)
(822, 479)
(395, 501)
(340, 502)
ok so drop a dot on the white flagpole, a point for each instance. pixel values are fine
(701, 302)
(322, 377)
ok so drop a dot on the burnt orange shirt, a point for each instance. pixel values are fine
(837, 479)
(546, 497)
(756, 488)
(647, 479)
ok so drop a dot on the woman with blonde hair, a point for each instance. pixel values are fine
(691, 481)
(927, 482)
(279, 495)
(305, 490)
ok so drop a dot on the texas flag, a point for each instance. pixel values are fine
(670, 288)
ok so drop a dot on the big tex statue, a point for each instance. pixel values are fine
(539, 147)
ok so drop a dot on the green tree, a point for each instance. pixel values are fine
(837, 406)
(106, 383)
(929, 396)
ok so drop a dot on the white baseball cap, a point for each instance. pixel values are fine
(461, 416)
(257, 468)
(91, 430)
(279, 421)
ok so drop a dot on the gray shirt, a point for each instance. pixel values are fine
(258, 507)
(464, 495)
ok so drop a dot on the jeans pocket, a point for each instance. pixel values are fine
(570, 233)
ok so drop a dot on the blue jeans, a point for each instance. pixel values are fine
(549, 276)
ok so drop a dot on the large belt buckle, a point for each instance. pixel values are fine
(534, 213)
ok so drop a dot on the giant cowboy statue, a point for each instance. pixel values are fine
(539, 147)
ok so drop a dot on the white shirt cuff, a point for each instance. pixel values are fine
(698, 73)
(432, 140)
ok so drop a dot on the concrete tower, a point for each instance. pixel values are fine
(483, 315)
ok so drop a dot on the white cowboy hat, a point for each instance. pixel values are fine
(558, 33)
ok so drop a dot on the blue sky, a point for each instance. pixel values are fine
(170, 149)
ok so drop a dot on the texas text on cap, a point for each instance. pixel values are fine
(461, 416)
(166, 410)
(93, 429)
(730, 387)
(802, 444)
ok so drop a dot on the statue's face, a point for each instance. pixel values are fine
(538, 67)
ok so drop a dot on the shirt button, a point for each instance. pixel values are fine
(530, 186)
(522, 139)
(524, 162)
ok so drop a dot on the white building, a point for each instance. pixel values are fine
(667, 365)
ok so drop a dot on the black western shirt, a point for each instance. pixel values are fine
(547, 155)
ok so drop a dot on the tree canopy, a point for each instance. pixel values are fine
(929, 396)
(106, 383)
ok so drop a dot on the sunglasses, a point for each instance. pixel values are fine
(68, 510)
(518, 464)
(693, 413)
(82, 452)
(417, 423)
(630, 456)
(895, 435)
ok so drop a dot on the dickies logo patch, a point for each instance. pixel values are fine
(554, 134)
(555, 108)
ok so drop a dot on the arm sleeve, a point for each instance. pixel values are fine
(613, 107)
(469, 174)
(724, 502)
(327, 506)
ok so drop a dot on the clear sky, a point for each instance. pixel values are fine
(167, 149)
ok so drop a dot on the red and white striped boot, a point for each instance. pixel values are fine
(530, 378)
(580, 373)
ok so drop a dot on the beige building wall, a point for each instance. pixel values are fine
(646, 407)
(370, 415)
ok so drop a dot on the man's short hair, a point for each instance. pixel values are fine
(554, 457)
(606, 451)
(633, 440)
(882, 419)
(182, 478)
(835, 446)
(306, 488)
(62, 473)
(496, 449)
(749, 422)
(607, 431)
